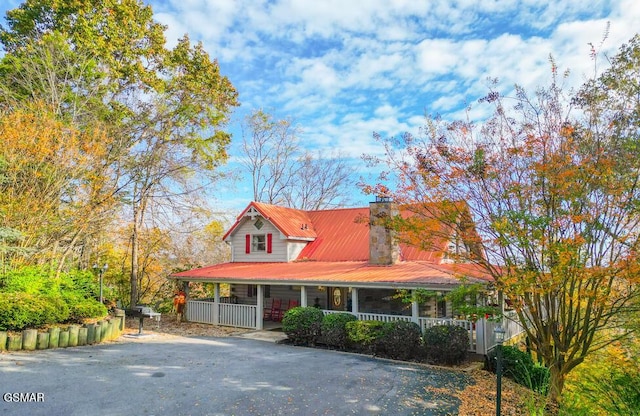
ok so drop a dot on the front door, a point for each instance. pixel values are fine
(337, 298)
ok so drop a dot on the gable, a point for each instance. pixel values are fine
(292, 223)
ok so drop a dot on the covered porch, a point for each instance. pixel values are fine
(250, 306)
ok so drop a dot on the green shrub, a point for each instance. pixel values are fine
(302, 325)
(25, 310)
(334, 331)
(28, 279)
(520, 367)
(82, 308)
(540, 376)
(81, 282)
(446, 344)
(31, 297)
(400, 340)
(164, 306)
(363, 335)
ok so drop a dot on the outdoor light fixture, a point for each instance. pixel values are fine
(499, 336)
(101, 270)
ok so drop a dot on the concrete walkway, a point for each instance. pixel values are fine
(271, 336)
(171, 375)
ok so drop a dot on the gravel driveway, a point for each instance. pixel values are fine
(171, 375)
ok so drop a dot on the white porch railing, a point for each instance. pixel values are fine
(242, 316)
(486, 335)
(200, 311)
(381, 317)
(229, 314)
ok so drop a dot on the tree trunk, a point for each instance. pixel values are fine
(134, 258)
(556, 384)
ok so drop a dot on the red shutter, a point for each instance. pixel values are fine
(247, 245)
(269, 242)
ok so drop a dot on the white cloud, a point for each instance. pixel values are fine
(344, 69)
(437, 56)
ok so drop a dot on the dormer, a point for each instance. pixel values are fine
(268, 233)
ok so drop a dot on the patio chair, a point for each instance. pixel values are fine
(293, 303)
(275, 312)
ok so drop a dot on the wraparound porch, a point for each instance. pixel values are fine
(481, 338)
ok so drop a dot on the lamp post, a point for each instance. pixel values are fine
(499, 334)
(101, 270)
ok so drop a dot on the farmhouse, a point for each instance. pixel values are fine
(337, 260)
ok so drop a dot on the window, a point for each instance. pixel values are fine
(258, 243)
(252, 290)
(442, 308)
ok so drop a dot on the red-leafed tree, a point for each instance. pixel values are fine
(552, 183)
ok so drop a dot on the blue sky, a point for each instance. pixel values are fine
(343, 69)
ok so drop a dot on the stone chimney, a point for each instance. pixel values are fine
(383, 246)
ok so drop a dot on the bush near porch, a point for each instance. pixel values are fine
(334, 331)
(400, 340)
(446, 344)
(397, 340)
(303, 325)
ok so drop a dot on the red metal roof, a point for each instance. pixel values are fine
(290, 222)
(337, 234)
(343, 235)
(342, 272)
(338, 253)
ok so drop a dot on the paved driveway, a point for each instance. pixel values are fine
(217, 376)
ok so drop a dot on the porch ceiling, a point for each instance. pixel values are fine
(357, 273)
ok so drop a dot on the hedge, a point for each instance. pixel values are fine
(303, 325)
(334, 330)
(21, 310)
(400, 340)
(363, 335)
(446, 344)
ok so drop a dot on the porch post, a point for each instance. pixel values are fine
(481, 341)
(259, 306)
(185, 289)
(303, 296)
(415, 308)
(216, 303)
(354, 301)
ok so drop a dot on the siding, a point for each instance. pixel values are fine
(294, 248)
(237, 241)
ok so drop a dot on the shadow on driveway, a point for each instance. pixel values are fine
(219, 376)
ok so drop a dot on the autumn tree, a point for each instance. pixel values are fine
(165, 109)
(53, 184)
(551, 181)
(283, 174)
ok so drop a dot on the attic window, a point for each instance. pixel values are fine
(259, 243)
(258, 224)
